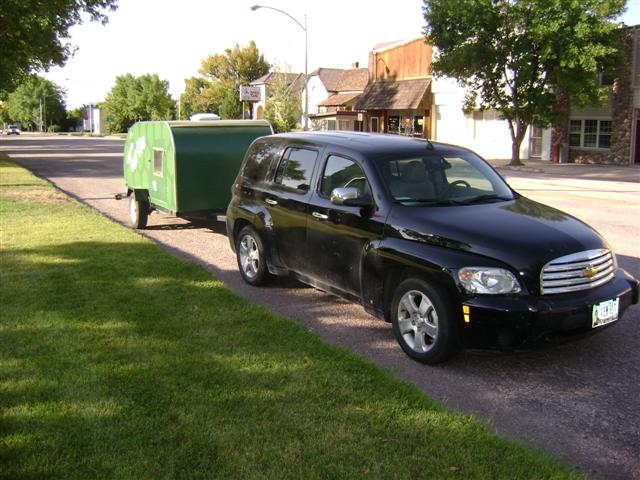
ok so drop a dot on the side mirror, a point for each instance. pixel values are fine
(350, 197)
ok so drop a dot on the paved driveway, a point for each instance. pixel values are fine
(579, 402)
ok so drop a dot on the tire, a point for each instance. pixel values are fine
(251, 257)
(423, 322)
(138, 212)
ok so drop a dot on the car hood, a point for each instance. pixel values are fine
(522, 233)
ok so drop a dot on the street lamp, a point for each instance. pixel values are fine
(305, 125)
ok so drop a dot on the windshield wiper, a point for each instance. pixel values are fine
(481, 199)
(454, 201)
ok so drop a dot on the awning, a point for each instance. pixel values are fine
(339, 99)
(395, 95)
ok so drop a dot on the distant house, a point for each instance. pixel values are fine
(294, 80)
(403, 98)
(611, 133)
(398, 97)
(397, 94)
(332, 95)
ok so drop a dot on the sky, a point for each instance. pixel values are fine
(172, 38)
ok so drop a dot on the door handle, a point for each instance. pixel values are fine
(320, 216)
(271, 201)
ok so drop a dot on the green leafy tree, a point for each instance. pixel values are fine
(227, 72)
(37, 104)
(74, 119)
(133, 99)
(282, 107)
(35, 34)
(231, 106)
(514, 56)
(4, 114)
(194, 100)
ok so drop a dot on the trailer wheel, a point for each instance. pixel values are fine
(251, 257)
(138, 212)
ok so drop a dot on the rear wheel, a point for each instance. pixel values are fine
(251, 257)
(423, 321)
(138, 212)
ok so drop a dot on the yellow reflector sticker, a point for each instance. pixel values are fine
(466, 313)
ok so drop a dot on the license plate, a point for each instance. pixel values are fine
(604, 313)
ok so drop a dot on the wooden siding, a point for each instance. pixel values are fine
(403, 61)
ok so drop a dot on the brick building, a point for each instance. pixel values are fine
(611, 133)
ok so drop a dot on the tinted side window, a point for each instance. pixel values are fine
(342, 172)
(296, 168)
(259, 158)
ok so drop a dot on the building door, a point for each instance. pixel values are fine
(375, 127)
(535, 142)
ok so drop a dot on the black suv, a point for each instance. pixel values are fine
(422, 234)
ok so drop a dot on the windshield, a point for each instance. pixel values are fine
(443, 178)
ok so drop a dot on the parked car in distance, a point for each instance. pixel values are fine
(425, 235)
(13, 130)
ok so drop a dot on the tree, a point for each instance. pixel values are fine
(514, 56)
(35, 33)
(193, 99)
(133, 99)
(227, 72)
(282, 107)
(37, 104)
(74, 119)
(231, 106)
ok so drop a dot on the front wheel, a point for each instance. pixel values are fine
(423, 321)
(138, 212)
(251, 257)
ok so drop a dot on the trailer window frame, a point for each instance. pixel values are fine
(158, 161)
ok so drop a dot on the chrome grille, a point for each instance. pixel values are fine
(578, 271)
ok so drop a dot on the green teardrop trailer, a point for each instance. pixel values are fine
(185, 167)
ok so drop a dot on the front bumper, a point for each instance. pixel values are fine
(513, 320)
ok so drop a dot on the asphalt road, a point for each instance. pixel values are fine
(579, 402)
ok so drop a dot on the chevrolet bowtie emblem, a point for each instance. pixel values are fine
(590, 272)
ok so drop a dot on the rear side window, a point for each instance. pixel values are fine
(295, 168)
(259, 158)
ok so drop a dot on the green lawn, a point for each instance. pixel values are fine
(120, 361)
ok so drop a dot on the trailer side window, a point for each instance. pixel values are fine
(158, 161)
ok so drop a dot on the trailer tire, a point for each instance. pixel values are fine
(138, 212)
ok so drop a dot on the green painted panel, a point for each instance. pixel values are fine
(210, 157)
(149, 157)
(188, 166)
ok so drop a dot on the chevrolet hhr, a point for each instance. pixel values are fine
(425, 235)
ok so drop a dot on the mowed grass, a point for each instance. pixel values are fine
(120, 361)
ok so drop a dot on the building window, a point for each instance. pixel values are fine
(590, 133)
(393, 124)
(418, 125)
(606, 79)
(346, 125)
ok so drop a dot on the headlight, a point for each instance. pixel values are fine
(488, 280)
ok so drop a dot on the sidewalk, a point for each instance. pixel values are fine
(534, 168)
